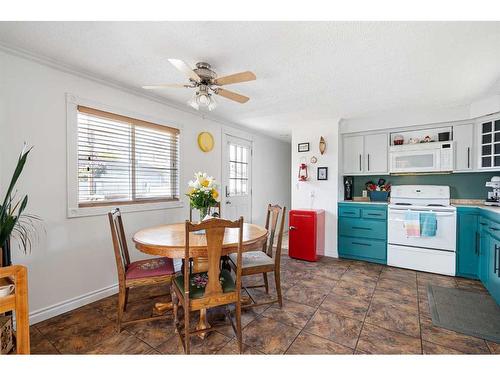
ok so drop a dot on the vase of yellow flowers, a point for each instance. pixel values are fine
(202, 193)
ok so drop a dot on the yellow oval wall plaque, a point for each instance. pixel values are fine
(205, 141)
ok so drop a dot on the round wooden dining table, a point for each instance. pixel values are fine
(168, 240)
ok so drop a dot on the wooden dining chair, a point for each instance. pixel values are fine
(200, 264)
(264, 261)
(196, 291)
(134, 274)
(213, 211)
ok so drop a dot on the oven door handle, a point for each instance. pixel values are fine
(438, 215)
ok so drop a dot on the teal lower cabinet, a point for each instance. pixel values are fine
(468, 242)
(493, 264)
(484, 244)
(362, 230)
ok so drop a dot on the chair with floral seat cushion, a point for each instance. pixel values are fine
(264, 261)
(198, 291)
(133, 274)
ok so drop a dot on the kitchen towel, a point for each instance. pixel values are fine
(412, 224)
(428, 224)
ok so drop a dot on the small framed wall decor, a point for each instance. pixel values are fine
(322, 173)
(303, 147)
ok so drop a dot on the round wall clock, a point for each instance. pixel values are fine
(205, 141)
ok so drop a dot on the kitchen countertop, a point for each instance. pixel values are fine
(476, 203)
(365, 202)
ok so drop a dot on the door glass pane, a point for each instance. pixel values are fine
(238, 170)
(486, 162)
(486, 138)
(497, 161)
(497, 137)
(497, 148)
(486, 127)
(486, 150)
(497, 125)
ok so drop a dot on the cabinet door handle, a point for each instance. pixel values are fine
(360, 162)
(483, 224)
(368, 161)
(361, 228)
(496, 266)
(291, 227)
(468, 157)
(477, 244)
(361, 243)
(494, 229)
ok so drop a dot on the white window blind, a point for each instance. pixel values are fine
(125, 160)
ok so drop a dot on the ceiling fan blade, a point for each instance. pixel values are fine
(184, 68)
(235, 78)
(232, 95)
(164, 86)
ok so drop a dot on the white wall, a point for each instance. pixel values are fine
(314, 193)
(74, 258)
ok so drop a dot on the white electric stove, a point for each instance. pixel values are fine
(430, 254)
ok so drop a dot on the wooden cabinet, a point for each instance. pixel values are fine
(376, 148)
(353, 155)
(468, 242)
(362, 232)
(365, 154)
(463, 135)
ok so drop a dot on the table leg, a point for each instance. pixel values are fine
(162, 307)
(203, 323)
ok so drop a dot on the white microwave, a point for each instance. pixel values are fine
(421, 157)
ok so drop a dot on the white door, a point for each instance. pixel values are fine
(463, 135)
(237, 178)
(353, 155)
(376, 153)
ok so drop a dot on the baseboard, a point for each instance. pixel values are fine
(71, 304)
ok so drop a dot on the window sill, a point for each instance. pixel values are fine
(103, 210)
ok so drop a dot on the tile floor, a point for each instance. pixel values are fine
(334, 306)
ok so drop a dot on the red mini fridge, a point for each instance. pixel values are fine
(306, 235)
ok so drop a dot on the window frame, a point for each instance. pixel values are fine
(101, 208)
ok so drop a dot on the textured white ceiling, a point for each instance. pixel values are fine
(306, 71)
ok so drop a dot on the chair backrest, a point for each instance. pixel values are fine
(214, 211)
(214, 232)
(119, 242)
(272, 217)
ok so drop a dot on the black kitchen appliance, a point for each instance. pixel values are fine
(444, 137)
(348, 188)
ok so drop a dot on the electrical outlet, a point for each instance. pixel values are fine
(365, 193)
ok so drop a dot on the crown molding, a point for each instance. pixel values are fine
(82, 73)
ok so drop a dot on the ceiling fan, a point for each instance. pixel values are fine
(205, 81)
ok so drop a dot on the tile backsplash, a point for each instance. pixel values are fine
(462, 185)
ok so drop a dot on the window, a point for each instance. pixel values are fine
(238, 170)
(122, 160)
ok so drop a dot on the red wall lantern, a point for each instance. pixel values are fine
(303, 172)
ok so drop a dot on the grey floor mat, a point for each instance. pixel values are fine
(474, 314)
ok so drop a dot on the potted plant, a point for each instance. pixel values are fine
(14, 222)
(202, 193)
(378, 192)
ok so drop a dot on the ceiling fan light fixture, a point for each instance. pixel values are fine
(203, 98)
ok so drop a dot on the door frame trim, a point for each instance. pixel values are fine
(228, 132)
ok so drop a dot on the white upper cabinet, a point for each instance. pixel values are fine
(463, 135)
(353, 155)
(376, 153)
(489, 143)
(365, 154)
